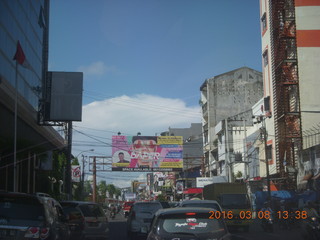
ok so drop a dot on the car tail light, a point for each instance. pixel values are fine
(190, 214)
(32, 232)
(44, 233)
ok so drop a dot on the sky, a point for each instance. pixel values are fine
(144, 62)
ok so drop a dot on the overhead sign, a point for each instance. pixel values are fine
(147, 153)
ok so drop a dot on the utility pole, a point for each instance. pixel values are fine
(265, 138)
(68, 166)
(94, 188)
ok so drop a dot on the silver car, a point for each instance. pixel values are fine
(140, 218)
(28, 216)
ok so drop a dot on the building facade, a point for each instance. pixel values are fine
(25, 146)
(223, 96)
(290, 51)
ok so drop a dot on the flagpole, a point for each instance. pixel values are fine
(15, 132)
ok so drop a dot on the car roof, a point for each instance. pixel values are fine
(199, 201)
(170, 211)
(18, 194)
(76, 203)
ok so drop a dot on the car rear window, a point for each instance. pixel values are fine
(21, 208)
(91, 210)
(191, 224)
(73, 213)
(147, 207)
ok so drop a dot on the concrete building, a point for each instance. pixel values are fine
(290, 51)
(192, 152)
(224, 97)
(20, 91)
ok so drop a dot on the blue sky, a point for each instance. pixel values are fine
(145, 60)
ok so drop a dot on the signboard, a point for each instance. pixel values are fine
(202, 181)
(75, 173)
(147, 153)
(65, 103)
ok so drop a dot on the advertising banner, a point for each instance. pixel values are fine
(147, 153)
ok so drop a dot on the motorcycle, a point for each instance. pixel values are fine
(313, 228)
(112, 214)
(267, 224)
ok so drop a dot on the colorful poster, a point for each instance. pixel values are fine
(147, 153)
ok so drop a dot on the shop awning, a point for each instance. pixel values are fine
(192, 190)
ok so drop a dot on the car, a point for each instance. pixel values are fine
(96, 223)
(187, 223)
(201, 203)
(127, 207)
(28, 216)
(140, 218)
(76, 221)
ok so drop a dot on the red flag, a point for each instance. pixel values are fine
(19, 56)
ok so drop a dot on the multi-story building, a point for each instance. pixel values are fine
(23, 67)
(223, 96)
(290, 51)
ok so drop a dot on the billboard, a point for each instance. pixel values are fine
(65, 96)
(147, 153)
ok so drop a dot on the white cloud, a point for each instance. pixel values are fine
(129, 115)
(96, 68)
(141, 113)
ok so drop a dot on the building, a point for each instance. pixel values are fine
(290, 51)
(21, 83)
(229, 96)
(192, 157)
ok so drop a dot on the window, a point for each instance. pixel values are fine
(264, 22)
(265, 58)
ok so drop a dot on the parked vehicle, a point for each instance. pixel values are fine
(140, 218)
(28, 216)
(201, 203)
(187, 223)
(75, 221)
(127, 207)
(96, 223)
(232, 197)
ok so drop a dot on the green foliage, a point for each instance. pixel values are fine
(162, 197)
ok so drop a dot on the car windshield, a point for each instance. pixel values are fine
(91, 210)
(197, 225)
(21, 208)
(204, 205)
